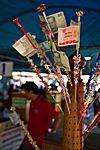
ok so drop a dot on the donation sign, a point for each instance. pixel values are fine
(68, 36)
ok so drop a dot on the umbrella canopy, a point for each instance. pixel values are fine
(26, 11)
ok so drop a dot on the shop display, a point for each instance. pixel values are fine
(75, 99)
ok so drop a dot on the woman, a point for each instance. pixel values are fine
(41, 113)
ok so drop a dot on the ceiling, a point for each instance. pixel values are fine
(26, 11)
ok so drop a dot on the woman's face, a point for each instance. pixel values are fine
(27, 94)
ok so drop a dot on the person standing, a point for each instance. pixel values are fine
(41, 113)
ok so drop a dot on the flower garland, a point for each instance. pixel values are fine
(77, 60)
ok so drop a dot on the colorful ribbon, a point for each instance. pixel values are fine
(88, 98)
(32, 142)
(91, 76)
(93, 123)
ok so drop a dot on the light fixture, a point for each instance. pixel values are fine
(87, 58)
(0, 77)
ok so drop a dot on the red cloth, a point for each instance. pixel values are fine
(40, 115)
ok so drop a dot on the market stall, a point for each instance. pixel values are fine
(58, 34)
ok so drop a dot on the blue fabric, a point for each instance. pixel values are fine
(28, 16)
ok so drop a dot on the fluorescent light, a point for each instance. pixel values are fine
(87, 58)
(0, 77)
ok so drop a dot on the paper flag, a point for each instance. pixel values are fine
(44, 47)
(61, 60)
(68, 36)
(56, 21)
(24, 47)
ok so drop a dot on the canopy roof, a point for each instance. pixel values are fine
(26, 11)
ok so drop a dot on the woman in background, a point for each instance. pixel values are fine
(41, 113)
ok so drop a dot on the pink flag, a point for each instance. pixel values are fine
(68, 35)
